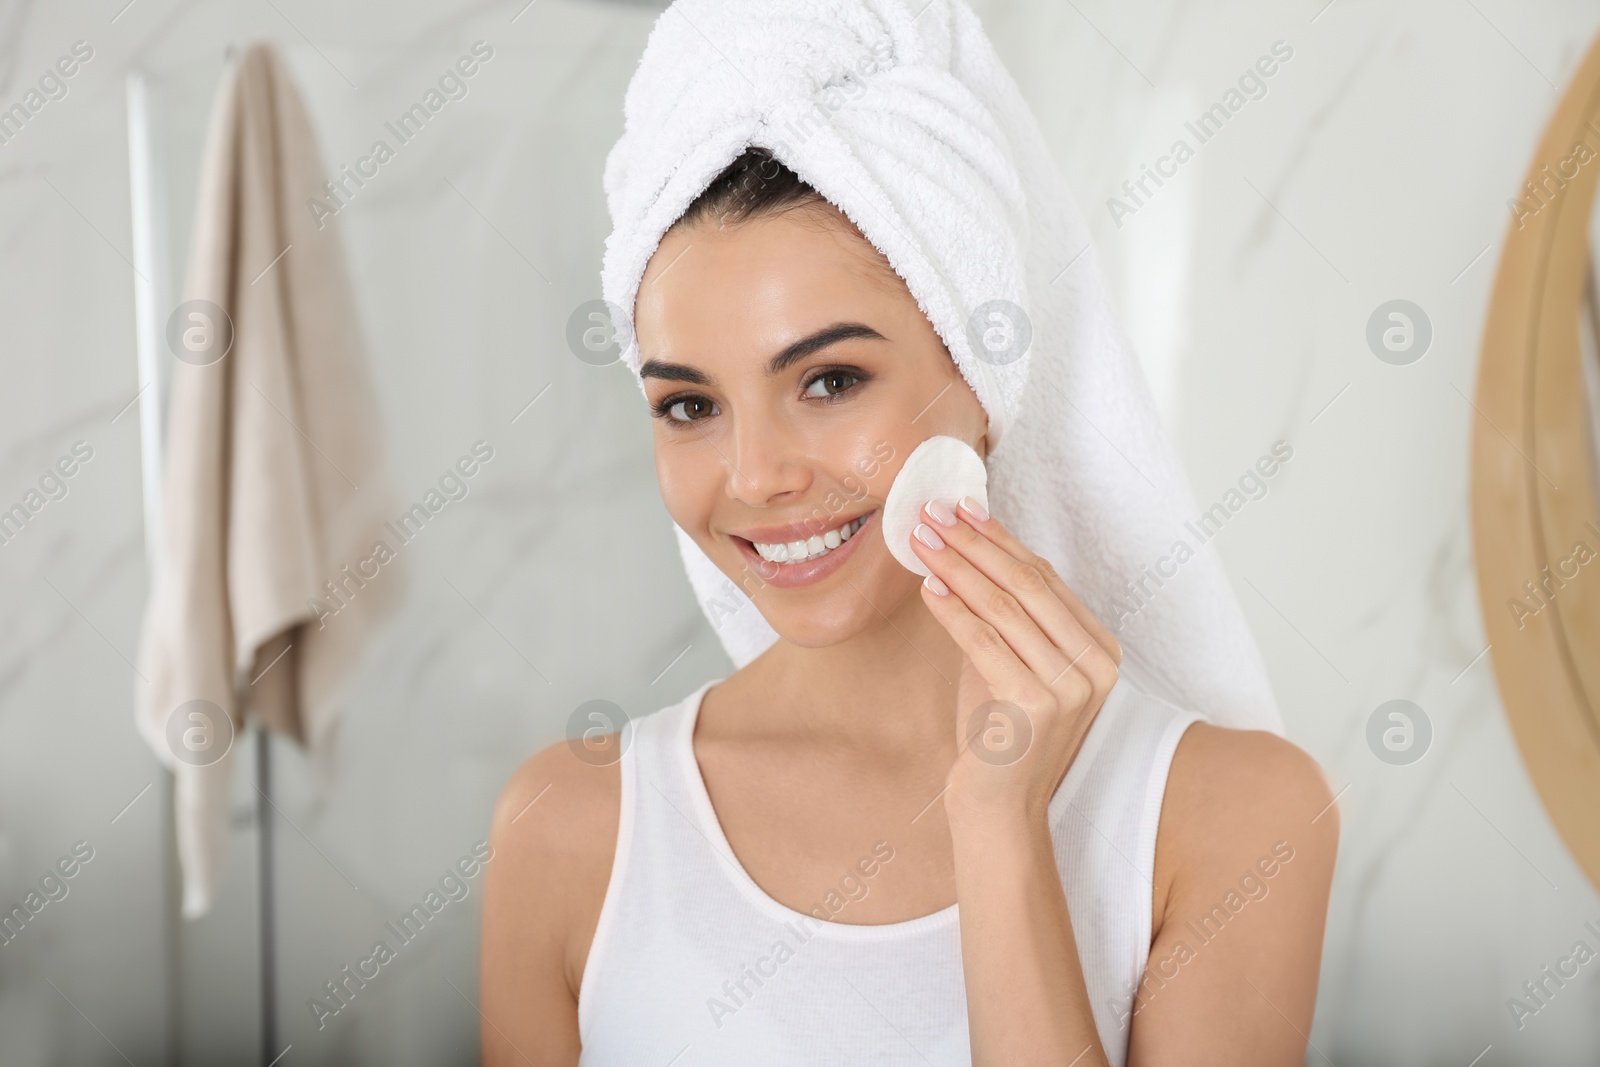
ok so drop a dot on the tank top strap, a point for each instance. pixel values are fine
(1103, 824)
(652, 787)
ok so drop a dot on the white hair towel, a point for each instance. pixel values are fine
(901, 114)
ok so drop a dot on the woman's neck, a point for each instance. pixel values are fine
(892, 684)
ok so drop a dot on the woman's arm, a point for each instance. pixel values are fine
(1244, 858)
(553, 833)
(1235, 799)
(1026, 998)
(1036, 670)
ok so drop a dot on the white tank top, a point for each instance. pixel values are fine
(693, 964)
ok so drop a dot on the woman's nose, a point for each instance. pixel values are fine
(766, 463)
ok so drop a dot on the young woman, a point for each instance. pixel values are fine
(931, 823)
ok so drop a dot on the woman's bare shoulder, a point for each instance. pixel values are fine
(554, 833)
(557, 799)
(1238, 772)
(1232, 796)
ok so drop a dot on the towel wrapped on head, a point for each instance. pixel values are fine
(900, 113)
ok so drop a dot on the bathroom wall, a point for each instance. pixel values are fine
(1373, 165)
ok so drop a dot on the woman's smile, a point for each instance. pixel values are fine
(805, 559)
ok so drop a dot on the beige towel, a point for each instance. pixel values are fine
(273, 482)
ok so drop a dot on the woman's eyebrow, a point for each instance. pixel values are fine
(839, 331)
(673, 372)
(813, 342)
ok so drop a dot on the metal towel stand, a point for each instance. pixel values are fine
(151, 295)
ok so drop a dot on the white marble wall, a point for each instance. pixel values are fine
(1375, 167)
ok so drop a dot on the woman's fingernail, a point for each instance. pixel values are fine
(932, 582)
(941, 513)
(974, 508)
(925, 534)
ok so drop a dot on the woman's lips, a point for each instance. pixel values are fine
(793, 575)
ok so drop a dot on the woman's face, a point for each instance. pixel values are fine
(792, 373)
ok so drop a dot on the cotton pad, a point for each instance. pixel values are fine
(940, 468)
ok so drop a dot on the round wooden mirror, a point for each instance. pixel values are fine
(1536, 523)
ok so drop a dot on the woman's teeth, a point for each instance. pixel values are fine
(816, 545)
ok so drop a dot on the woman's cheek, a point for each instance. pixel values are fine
(857, 456)
(879, 459)
(674, 476)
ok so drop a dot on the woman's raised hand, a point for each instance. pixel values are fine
(1037, 665)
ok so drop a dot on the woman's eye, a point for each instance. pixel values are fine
(688, 409)
(831, 382)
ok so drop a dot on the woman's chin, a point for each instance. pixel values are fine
(838, 616)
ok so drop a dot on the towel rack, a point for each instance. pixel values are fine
(153, 290)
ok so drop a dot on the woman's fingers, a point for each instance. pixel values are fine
(1016, 597)
(1026, 581)
(993, 655)
(1004, 538)
(994, 607)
